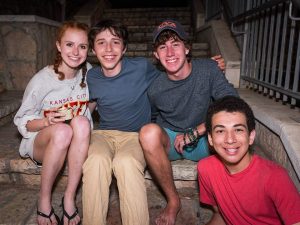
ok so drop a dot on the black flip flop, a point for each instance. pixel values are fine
(48, 216)
(66, 214)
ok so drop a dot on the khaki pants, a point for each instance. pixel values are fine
(120, 153)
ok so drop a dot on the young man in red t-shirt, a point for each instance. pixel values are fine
(242, 187)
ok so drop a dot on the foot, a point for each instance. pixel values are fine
(70, 212)
(169, 214)
(47, 218)
(45, 212)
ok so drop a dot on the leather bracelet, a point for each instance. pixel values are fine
(192, 137)
(184, 138)
(197, 132)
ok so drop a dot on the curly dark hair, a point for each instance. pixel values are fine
(230, 104)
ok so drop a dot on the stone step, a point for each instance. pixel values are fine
(10, 102)
(14, 169)
(145, 21)
(20, 180)
(18, 205)
(158, 9)
(148, 47)
(147, 14)
(150, 28)
(140, 20)
(147, 36)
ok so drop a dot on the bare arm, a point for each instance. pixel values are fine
(52, 117)
(92, 106)
(216, 218)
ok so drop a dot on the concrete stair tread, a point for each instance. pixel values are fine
(150, 27)
(182, 170)
(145, 21)
(18, 205)
(158, 9)
(10, 101)
(11, 162)
(150, 15)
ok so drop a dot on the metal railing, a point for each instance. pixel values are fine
(268, 33)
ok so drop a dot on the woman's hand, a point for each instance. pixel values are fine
(51, 117)
(54, 117)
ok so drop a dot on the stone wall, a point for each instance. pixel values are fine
(217, 34)
(92, 12)
(27, 44)
(269, 145)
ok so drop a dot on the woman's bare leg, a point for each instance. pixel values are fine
(50, 148)
(77, 154)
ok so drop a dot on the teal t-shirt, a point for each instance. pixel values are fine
(122, 100)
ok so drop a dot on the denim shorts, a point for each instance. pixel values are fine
(191, 153)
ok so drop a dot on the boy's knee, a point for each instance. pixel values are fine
(149, 132)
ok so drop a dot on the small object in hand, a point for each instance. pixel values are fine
(68, 112)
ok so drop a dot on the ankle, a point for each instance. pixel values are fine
(44, 205)
(175, 203)
(69, 195)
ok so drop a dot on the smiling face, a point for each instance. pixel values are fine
(172, 55)
(73, 47)
(230, 138)
(109, 50)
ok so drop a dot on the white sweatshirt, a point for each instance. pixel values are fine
(45, 91)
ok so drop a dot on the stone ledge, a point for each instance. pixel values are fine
(159, 9)
(13, 168)
(29, 19)
(280, 119)
(218, 35)
(183, 170)
(10, 101)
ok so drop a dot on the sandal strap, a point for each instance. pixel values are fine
(67, 214)
(72, 216)
(44, 215)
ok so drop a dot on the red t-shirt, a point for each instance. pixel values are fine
(263, 193)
